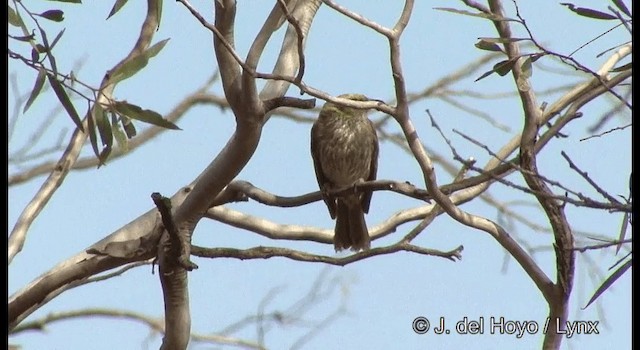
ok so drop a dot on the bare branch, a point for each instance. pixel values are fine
(270, 252)
(157, 325)
(589, 180)
(358, 18)
(602, 245)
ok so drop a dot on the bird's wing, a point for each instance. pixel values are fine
(373, 169)
(322, 180)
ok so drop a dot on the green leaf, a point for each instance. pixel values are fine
(159, 5)
(119, 134)
(476, 14)
(622, 7)
(503, 40)
(144, 115)
(64, 100)
(14, 17)
(35, 56)
(46, 48)
(484, 75)
(93, 139)
(128, 126)
(116, 7)
(485, 45)
(623, 67)
(134, 65)
(37, 87)
(104, 155)
(609, 281)
(587, 12)
(69, 1)
(53, 15)
(623, 231)
(55, 40)
(504, 67)
(104, 127)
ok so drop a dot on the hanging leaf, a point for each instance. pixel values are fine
(485, 74)
(134, 65)
(503, 68)
(119, 134)
(144, 115)
(55, 40)
(489, 46)
(492, 17)
(104, 127)
(64, 100)
(53, 15)
(587, 12)
(35, 56)
(128, 126)
(37, 87)
(622, 7)
(609, 281)
(45, 48)
(116, 7)
(623, 231)
(93, 139)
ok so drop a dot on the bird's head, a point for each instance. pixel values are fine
(336, 110)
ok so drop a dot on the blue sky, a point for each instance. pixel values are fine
(382, 295)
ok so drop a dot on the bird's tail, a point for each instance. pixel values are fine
(351, 229)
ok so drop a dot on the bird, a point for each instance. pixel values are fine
(344, 148)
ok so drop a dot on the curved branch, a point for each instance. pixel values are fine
(135, 241)
(272, 230)
(154, 324)
(291, 53)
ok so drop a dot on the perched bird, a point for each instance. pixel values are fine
(344, 147)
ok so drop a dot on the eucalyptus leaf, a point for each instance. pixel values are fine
(587, 12)
(116, 7)
(144, 115)
(492, 17)
(489, 46)
(609, 281)
(37, 87)
(134, 65)
(64, 100)
(69, 1)
(622, 7)
(53, 15)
